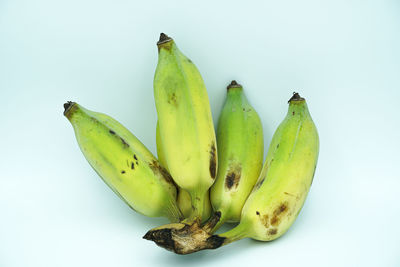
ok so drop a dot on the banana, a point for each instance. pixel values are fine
(279, 193)
(184, 200)
(124, 163)
(240, 155)
(186, 129)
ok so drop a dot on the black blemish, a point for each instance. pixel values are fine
(230, 178)
(122, 172)
(160, 170)
(257, 212)
(213, 161)
(272, 231)
(124, 142)
(137, 162)
(293, 113)
(134, 156)
(132, 166)
(259, 183)
(277, 146)
(111, 132)
(233, 177)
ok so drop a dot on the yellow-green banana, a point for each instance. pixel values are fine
(124, 163)
(184, 200)
(278, 195)
(186, 129)
(240, 155)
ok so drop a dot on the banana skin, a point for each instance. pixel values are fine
(186, 129)
(240, 155)
(124, 163)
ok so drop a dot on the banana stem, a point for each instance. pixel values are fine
(198, 202)
(237, 233)
(214, 222)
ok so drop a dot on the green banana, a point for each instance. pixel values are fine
(277, 197)
(186, 129)
(184, 200)
(240, 155)
(124, 163)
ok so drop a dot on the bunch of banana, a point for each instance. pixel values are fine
(278, 195)
(192, 176)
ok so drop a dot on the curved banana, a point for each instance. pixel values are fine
(240, 155)
(184, 200)
(280, 191)
(124, 163)
(186, 128)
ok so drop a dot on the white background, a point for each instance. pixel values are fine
(342, 56)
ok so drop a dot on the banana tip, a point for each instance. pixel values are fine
(163, 39)
(296, 97)
(233, 84)
(67, 107)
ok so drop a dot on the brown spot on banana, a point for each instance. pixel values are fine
(213, 161)
(158, 169)
(278, 212)
(233, 177)
(272, 231)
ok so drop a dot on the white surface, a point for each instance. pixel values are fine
(342, 56)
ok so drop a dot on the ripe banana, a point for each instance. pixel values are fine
(124, 163)
(277, 197)
(186, 129)
(184, 201)
(240, 155)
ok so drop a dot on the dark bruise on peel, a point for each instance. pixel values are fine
(134, 156)
(111, 132)
(213, 161)
(158, 169)
(132, 166)
(278, 212)
(265, 220)
(122, 171)
(124, 142)
(272, 231)
(233, 177)
(259, 184)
